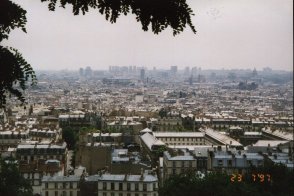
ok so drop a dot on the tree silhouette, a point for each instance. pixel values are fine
(11, 181)
(15, 72)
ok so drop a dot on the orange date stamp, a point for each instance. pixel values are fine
(257, 177)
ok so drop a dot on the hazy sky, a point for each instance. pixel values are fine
(235, 34)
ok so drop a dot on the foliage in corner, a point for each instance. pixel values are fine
(14, 73)
(11, 181)
(14, 70)
(11, 16)
(158, 13)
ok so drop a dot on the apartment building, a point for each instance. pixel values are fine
(39, 159)
(10, 139)
(60, 186)
(178, 161)
(233, 161)
(127, 185)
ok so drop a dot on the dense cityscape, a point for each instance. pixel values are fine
(129, 130)
(146, 98)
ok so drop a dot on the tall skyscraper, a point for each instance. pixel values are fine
(81, 71)
(187, 70)
(142, 74)
(88, 72)
(173, 69)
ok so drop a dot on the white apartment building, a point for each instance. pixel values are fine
(128, 185)
(60, 186)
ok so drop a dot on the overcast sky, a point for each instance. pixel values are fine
(231, 34)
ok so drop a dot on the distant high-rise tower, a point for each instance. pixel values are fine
(191, 80)
(187, 70)
(88, 72)
(254, 73)
(142, 74)
(194, 70)
(174, 69)
(81, 71)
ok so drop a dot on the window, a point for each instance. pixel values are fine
(230, 163)
(46, 185)
(154, 187)
(64, 185)
(104, 186)
(249, 162)
(136, 186)
(46, 193)
(220, 162)
(70, 193)
(128, 186)
(104, 194)
(56, 185)
(56, 193)
(63, 193)
(112, 186)
(200, 163)
(144, 187)
(120, 194)
(70, 185)
(174, 164)
(174, 172)
(120, 186)
(112, 194)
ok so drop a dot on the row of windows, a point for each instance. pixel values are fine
(34, 157)
(62, 185)
(185, 144)
(61, 193)
(128, 187)
(183, 163)
(229, 162)
(13, 136)
(41, 151)
(174, 171)
(127, 194)
(32, 175)
(179, 139)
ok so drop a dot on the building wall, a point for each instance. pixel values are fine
(127, 188)
(176, 166)
(60, 189)
(182, 140)
(94, 158)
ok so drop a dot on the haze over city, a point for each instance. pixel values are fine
(230, 34)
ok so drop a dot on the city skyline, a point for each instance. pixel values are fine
(230, 35)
